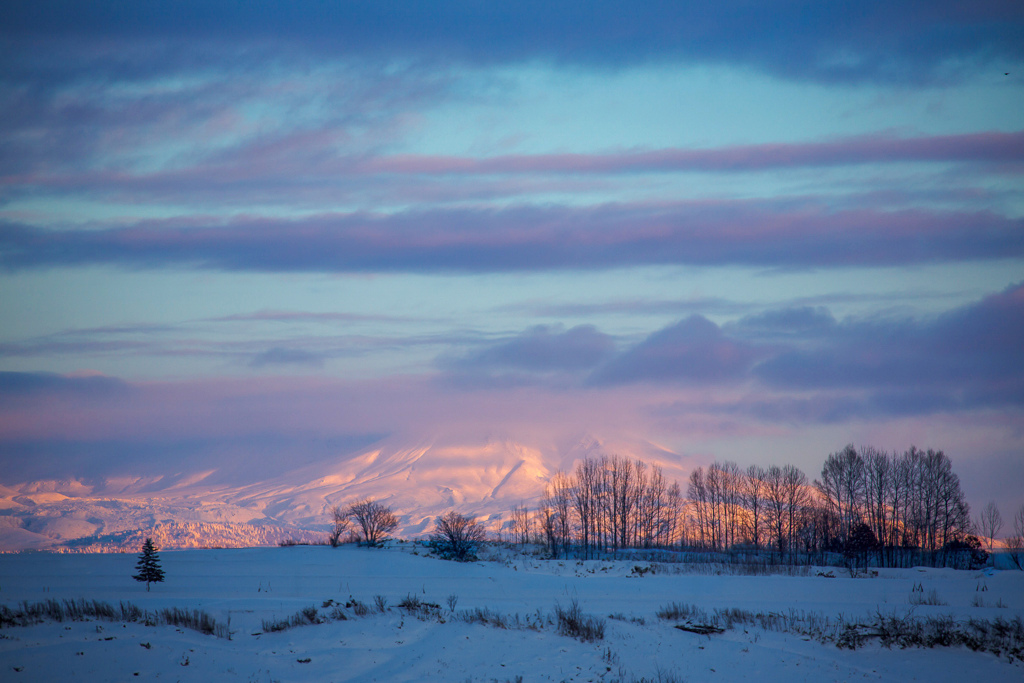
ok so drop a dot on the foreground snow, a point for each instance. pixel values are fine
(249, 586)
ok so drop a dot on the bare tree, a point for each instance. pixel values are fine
(990, 523)
(626, 493)
(952, 513)
(752, 492)
(717, 486)
(697, 494)
(674, 525)
(375, 520)
(898, 497)
(548, 519)
(457, 536)
(878, 482)
(842, 487)
(341, 523)
(1015, 543)
(559, 493)
(715, 500)
(775, 506)
(521, 524)
(796, 498)
(585, 500)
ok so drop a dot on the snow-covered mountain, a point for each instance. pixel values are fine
(420, 479)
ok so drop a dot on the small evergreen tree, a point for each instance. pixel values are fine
(860, 543)
(148, 565)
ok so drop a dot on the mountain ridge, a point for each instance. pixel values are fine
(420, 479)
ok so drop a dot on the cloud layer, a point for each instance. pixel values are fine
(967, 358)
(241, 235)
(775, 234)
(821, 40)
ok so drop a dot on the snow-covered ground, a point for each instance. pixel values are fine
(245, 587)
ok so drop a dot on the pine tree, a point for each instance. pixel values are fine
(148, 565)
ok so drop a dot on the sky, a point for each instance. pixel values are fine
(253, 235)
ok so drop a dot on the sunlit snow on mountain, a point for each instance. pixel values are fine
(484, 476)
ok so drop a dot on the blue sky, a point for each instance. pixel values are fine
(749, 231)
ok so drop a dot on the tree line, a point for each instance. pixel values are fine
(892, 508)
(609, 502)
(899, 508)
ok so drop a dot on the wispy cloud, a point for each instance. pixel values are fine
(315, 166)
(285, 356)
(991, 148)
(40, 384)
(758, 233)
(267, 315)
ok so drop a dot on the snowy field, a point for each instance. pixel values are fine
(246, 589)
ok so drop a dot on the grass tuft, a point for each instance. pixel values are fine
(573, 623)
(919, 598)
(28, 614)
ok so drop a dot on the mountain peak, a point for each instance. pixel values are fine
(483, 475)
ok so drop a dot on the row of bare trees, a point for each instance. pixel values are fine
(909, 500)
(757, 507)
(610, 502)
(897, 507)
(866, 500)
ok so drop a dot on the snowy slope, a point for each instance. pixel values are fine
(248, 586)
(420, 479)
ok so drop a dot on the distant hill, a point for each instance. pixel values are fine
(420, 479)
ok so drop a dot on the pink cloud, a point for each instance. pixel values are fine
(313, 164)
(780, 233)
(988, 147)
